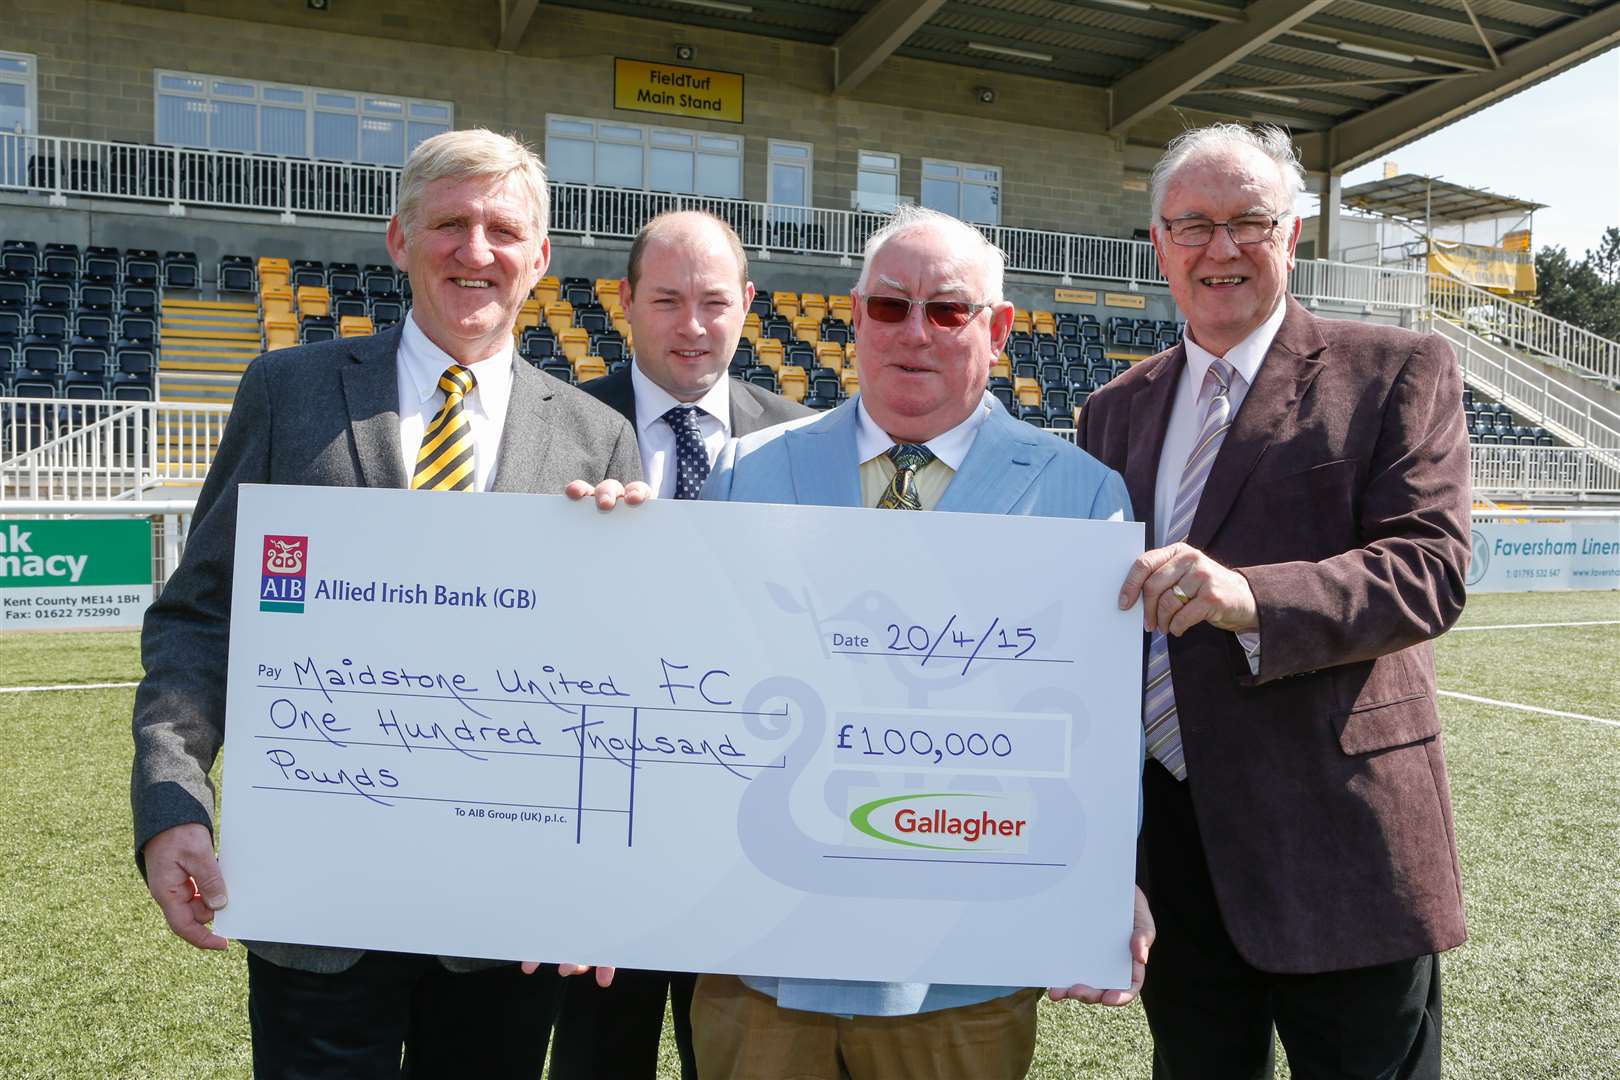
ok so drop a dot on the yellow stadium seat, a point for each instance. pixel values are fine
(841, 307)
(1028, 391)
(355, 326)
(751, 327)
(849, 354)
(273, 271)
(787, 304)
(276, 300)
(793, 382)
(590, 367)
(850, 380)
(576, 344)
(280, 332)
(607, 289)
(1020, 320)
(547, 289)
(830, 354)
(1001, 369)
(813, 306)
(528, 314)
(769, 351)
(314, 300)
(807, 329)
(559, 316)
(621, 324)
(1043, 323)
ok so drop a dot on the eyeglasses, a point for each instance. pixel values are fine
(946, 314)
(1198, 232)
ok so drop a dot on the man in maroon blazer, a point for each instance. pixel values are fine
(1305, 485)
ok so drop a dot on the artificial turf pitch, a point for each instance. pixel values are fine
(93, 985)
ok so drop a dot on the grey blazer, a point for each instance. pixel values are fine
(751, 407)
(325, 414)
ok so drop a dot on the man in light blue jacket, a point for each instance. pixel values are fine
(921, 435)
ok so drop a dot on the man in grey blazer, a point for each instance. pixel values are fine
(438, 402)
(685, 292)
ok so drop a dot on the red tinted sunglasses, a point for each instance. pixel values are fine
(948, 314)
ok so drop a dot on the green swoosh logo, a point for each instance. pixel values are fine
(861, 817)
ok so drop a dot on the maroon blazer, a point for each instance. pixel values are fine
(1341, 493)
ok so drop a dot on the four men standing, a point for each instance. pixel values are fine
(1305, 485)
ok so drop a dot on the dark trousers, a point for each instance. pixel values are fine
(357, 1023)
(1212, 1014)
(614, 1032)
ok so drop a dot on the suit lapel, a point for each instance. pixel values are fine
(821, 460)
(1268, 409)
(1004, 460)
(1150, 416)
(371, 392)
(525, 435)
(745, 411)
(619, 393)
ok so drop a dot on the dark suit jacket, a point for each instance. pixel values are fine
(1342, 495)
(325, 414)
(751, 407)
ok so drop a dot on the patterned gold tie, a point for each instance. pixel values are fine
(901, 494)
(445, 462)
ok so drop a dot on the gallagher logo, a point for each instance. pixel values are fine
(281, 587)
(947, 821)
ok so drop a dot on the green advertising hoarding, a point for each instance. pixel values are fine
(74, 573)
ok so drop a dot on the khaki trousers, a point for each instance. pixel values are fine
(739, 1034)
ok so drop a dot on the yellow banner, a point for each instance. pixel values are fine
(1074, 296)
(1125, 300)
(677, 91)
(1518, 240)
(1485, 267)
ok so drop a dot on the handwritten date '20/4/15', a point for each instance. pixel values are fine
(949, 643)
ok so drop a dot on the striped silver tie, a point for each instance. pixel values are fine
(1159, 697)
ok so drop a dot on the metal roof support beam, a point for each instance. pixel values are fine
(515, 17)
(875, 36)
(1452, 15)
(1187, 66)
(1378, 131)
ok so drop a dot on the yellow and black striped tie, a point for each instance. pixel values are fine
(901, 494)
(445, 462)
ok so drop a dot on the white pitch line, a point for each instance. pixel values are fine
(1534, 625)
(67, 686)
(1528, 708)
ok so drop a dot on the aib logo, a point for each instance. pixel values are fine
(281, 586)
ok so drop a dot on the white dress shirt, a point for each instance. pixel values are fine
(950, 447)
(1186, 417)
(657, 439)
(420, 363)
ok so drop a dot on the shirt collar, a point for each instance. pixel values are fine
(423, 362)
(951, 447)
(1245, 357)
(653, 401)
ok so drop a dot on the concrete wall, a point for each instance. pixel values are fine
(1059, 170)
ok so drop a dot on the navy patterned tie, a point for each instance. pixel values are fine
(691, 459)
(901, 494)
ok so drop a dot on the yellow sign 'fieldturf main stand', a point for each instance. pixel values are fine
(678, 91)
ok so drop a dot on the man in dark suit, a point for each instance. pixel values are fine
(1305, 485)
(438, 402)
(685, 293)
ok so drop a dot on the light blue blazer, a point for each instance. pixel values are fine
(1012, 468)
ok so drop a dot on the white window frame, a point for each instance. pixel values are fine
(30, 84)
(806, 159)
(701, 142)
(876, 201)
(961, 180)
(367, 106)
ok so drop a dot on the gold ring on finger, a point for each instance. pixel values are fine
(1180, 593)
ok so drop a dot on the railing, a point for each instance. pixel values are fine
(1526, 388)
(1517, 471)
(1525, 328)
(86, 450)
(183, 176)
